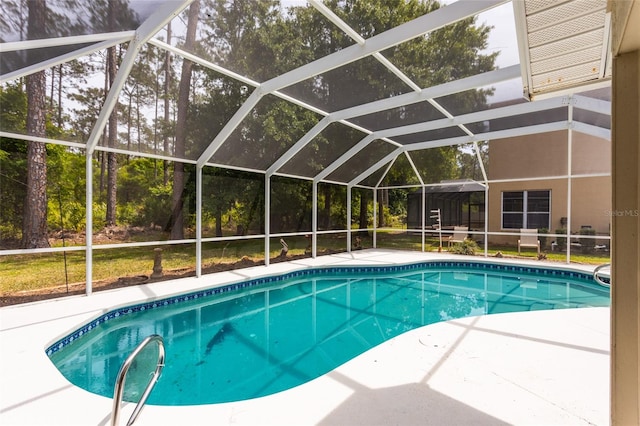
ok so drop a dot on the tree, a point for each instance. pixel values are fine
(13, 167)
(34, 229)
(468, 164)
(112, 159)
(167, 110)
(177, 215)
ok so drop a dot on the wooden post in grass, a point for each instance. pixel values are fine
(157, 263)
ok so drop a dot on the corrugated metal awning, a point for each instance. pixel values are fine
(564, 45)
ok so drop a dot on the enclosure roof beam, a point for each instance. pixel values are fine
(591, 104)
(461, 85)
(335, 19)
(200, 61)
(164, 14)
(456, 86)
(32, 138)
(380, 163)
(426, 94)
(361, 40)
(301, 143)
(64, 41)
(52, 62)
(429, 22)
(506, 111)
(413, 166)
(442, 123)
(590, 129)
(488, 136)
(386, 172)
(344, 158)
(501, 134)
(231, 125)
(422, 25)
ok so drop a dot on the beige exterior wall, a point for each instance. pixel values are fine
(590, 154)
(591, 204)
(540, 155)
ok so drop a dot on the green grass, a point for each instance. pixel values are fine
(29, 272)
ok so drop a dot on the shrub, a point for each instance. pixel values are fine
(587, 244)
(543, 240)
(561, 241)
(468, 247)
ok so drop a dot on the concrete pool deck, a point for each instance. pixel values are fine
(536, 368)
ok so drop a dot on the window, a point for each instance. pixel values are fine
(526, 209)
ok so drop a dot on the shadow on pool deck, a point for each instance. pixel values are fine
(409, 404)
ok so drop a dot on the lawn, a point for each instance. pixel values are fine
(23, 273)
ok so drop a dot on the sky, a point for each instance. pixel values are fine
(503, 38)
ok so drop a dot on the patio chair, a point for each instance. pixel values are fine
(529, 238)
(459, 235)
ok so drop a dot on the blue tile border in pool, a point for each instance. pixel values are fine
(311, 272)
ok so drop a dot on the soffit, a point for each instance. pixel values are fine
(563, 45)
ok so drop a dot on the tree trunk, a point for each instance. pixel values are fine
(383, 200)
(34, 229)
(60, 72)
(177, 199)
(129, 124)
(363, 212)
(138, 119)
(105, 136)
(218, 222)
(167, 114)
(327, 208)
(112, 161)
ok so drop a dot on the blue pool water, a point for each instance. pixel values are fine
(266, 335)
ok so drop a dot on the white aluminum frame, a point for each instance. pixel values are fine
(362, 48)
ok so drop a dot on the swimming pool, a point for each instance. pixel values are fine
(265, 335)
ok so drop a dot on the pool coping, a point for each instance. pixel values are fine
(45, 397)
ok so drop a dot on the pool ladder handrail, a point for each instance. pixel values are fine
(122, 376)
(596, 275)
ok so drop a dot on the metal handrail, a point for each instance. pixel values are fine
(122, 376)
(597, 278)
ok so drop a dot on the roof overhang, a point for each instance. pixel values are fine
(564, 45)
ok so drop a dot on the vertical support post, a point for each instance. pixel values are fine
(89, 223)
(375, 217)
(625, 241)
(314, 221)
(569, 175)
(423, 213)
(485, 177)
(349, 244)
(486, 219)
(267, 222)
(198, 221)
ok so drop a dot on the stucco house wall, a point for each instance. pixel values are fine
(530, 158)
